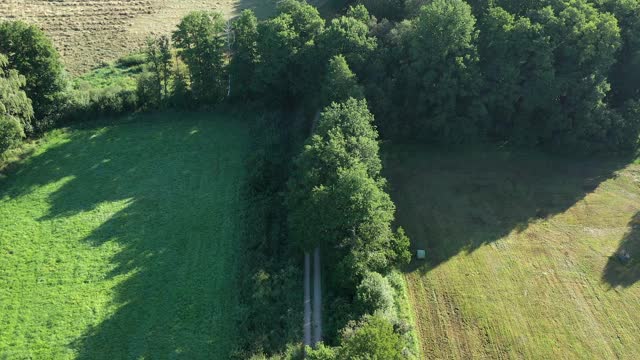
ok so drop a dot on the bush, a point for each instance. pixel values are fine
(149, 91)
(11, 133)
(375, 296)
(132, 60)
(87, 104)
(181, 92)
(373, 338)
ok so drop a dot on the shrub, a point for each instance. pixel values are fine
(375, 295)
(373, 338)
(13, 100)
(11, 133)
(149, 91)
(132, 60)
(87, 104)
(181, 92)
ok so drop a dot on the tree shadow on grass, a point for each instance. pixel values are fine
(175, 230)
(453, 201)
(623, 267)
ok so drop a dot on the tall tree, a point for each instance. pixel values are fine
(584, 43)
(202, 45)
(32, 53)
(517, 63)
(340, 82)
(158, 53)
(437, 79)
(15, 107)
(289, 66)
(13, 99)
(337, 196)
(349, 36)
(245, 54)
(625, 73)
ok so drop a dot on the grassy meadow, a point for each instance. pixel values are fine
(520, 251)
(122, 241)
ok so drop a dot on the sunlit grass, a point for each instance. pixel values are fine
(122, 241)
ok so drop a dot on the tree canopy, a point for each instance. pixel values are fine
(33, 55)
(201, 42)
(15, 107)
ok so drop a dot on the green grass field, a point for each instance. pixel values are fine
(520, 253)
(121, 241)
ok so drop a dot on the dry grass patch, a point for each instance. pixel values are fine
(90, 32)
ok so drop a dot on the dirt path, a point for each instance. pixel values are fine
(307, 299)
(312, 330)
(317, 298)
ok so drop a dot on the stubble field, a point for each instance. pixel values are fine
(90, 32)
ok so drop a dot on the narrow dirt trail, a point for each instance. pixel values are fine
(307, 300)
(317, 298)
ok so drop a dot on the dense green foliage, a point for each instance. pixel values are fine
(538, 73)
(349, 36)
(340, 82)
(435, 96)
(15, 107)
(625, 73)
(372, 338)
(518, 68)
(158, 53)
(288, 68)
(31, 52)
(202, 45)
(557, 74)
(270, 286)
(11, 133)
(337, 201)
(245, 55)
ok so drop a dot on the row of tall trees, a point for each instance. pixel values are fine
(337, 201)
(278, 62)
(557, 74)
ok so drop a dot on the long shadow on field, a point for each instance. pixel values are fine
(458, 200)
(173, 230)
(623, 267)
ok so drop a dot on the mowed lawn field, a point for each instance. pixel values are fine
(520, 253)
(121, 241)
